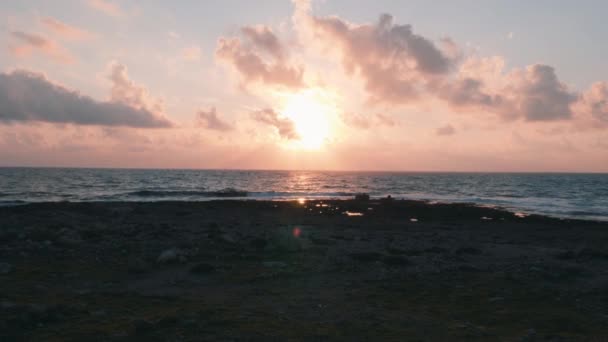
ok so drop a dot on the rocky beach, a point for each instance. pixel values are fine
(352, 270)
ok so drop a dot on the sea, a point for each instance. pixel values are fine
(564, 195)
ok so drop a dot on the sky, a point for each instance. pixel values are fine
(321, 84)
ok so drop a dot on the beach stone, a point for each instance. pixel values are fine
(5, 268)
(395, 261)
(362, 197)
(172, 255)
(202, 268)
(137, 265)
(274, 264)
(366, 256)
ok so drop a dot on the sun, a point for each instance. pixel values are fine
(310, 111)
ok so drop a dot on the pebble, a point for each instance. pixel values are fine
(5, 268)
(172, 255)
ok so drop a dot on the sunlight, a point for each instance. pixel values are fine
(310, 112)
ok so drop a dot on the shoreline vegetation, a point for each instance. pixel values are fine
(365, 269)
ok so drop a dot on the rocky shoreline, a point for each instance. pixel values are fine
(314, 270)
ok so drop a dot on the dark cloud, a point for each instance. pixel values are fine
(29, 96)
(468, 92)
(542, 97)
(284, 126)
(210, 120)
(246, 58)
(446, 130)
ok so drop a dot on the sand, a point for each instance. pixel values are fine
(252, 270)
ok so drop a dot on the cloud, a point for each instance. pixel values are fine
(28, 96)
(192, 53)
(395, 63)
(400, 67)
(124, 90)
(540, 96)
(445, 130)
(368, 121)
(262, 37)
(107, 7)
(593, 104)
(284, 126)
(30, 42)
(210, 120)
(64, 30)
(246, 56)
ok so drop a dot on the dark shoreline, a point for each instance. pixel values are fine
(277, 270)
(523, 212)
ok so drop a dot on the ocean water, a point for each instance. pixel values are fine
(582, 196)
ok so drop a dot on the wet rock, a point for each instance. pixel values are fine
(362, 197)
(171, 256)
(68, 237)
(259, 243)
(435, 249)
(468, 250)
(202, 268)
(366, 256)
(5, 268)
(567, 255)
(395, 261)
(227, 238)
(274, 264)
(529, 336)
(137, 265)
(468, 268)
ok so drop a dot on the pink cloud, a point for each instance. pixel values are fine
(211, 120)
(126, 91)
(400, 67)
(246, 57)
(284, 126)
(27, 96)
(28, 43)
(107, 7)
(64, 30)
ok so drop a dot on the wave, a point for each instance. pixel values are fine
(226, 193)
(11, 203)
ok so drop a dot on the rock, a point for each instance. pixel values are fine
(395, 261)
(5, 268)
(259, 243)
(496, 299)
(529, 336)
(274, 264)
(202, 268)
(137, 265)
(362, 197)
(227, 238)
(366, 256)
(468, 250)
(172, 255)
